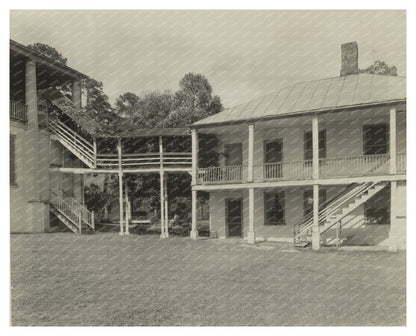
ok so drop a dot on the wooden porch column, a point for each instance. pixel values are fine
(393, 234)
(316, 237)
(31, 100)
(195, 158)
(76, 94)
(120, 184)
(251, 237)
(166, 208)
(195, 155)
(194, 231)
(250, 167)
(127, 209)
(315, 148)
(393, 166)
(162, 190)
(94, 144)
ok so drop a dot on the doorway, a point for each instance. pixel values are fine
(234, 217)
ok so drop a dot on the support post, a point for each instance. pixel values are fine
(316, 236)
(250, 167)
(393, 149)
(393, 234)
(94, 144)
(315, 147)
(93, 220)
(127, 210)
(162, 191)
(166, 208)
(120, 184)
(195, 152)
(194, 231)
(76, 94)
(251, 238)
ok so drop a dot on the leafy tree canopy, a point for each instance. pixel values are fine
(380, 68)
(48, 51)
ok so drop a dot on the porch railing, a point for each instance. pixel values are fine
(230, 174)
(354, 166)
(401, 163)
(283, 171)
(349, 166)
(18, 111)
(144, 159)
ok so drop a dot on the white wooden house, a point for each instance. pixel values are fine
(50, 155)
(320, 162)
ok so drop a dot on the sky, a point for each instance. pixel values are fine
(243, 54)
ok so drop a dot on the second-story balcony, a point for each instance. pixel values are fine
(18, 111)
(338, 167)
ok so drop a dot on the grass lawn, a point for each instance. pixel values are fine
(106, 279)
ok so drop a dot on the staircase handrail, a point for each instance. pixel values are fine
(336, 203)
(65, 209)
(73, 138)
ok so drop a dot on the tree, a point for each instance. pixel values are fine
(193, 102)
(48, 51)
(98, 106)
(380, 68)
(127, 105)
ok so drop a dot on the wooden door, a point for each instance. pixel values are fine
(234, 217)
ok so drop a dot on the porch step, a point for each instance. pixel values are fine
(65, 220)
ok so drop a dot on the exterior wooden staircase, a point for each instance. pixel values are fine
(76, 144)
(334, 210)
(71, 213)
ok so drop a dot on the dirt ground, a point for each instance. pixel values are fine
(105, 279)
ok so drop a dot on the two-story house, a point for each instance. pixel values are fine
(32, 148)
(320, 162)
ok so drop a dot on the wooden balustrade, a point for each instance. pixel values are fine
(18, 111)
(222, 174)
(283, 171)
(350, 166)
(144, 159)
(354, 166)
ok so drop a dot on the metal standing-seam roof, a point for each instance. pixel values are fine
(320, 95)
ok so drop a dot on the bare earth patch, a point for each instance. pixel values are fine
(104, 279)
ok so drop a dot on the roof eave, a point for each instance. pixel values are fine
(39, 58)
(298, 114)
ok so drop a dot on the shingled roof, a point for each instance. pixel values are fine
(320, 95)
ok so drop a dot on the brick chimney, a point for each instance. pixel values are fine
(349, 58)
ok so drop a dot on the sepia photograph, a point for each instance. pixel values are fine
(207, 167)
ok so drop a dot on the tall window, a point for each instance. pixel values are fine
(12, 160)
(375, 139)
(274, 207)
(307, 145)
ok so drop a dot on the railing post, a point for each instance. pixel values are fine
(393, 167)
(93, 220)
